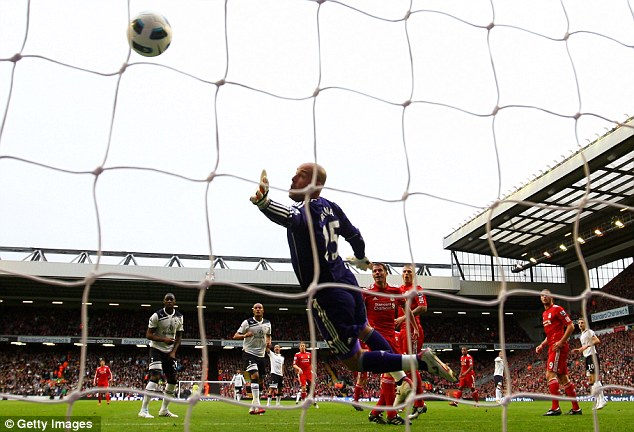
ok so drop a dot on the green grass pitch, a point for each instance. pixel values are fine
(331, 416)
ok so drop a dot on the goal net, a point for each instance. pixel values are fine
(422, 112)
(205, 389)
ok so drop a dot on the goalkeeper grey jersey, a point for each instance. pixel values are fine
(255, 345)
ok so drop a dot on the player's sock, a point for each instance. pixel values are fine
(553, 388)
(151, 386)
(389, 390)
(255, 390)
(398, 375)
(278, 400)
(304, 394)
(458, 394)
(498, 394)
(99, 395)
(169, 391)
(299, 395)
(357, 392)
(475, 396)
(381, 401)
(377, 342)
(108, 397)
(570, 392)
(381, 361)
(601, 395)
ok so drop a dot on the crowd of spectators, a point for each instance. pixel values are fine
(38, 370)
(31, 370)
(620, 286)
(56, 321)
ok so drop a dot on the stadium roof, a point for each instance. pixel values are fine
(593, 187)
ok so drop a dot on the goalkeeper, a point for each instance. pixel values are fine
(339, 313)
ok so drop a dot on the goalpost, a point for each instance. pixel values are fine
(206, 388)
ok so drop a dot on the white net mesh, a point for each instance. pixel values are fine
(427, 107)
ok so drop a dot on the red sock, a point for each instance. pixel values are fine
(389, 388)
(304, 395)
(475, 395)
(108, 397)
(553, 388)
(357, 392)
(570, 392)
(380, 402)
(458, 394)
(99, 394)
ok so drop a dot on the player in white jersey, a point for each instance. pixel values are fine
(277, 375)
(498, 376)
(238, 382)
(255, 333)
(165, 330)
(589, 341)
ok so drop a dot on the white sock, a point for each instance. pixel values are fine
(169, 391)
(151, 386)
(299, 395)
(278, 400)
(268, 401)
(498, 393)
(398, 375)
(255, 390)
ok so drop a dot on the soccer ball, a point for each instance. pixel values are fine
(149, 34)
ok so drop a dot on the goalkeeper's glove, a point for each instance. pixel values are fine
(360, 263)
(261, 196)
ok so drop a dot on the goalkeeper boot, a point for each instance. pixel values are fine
(434, 366)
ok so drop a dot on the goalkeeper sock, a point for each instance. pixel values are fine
(381, 361)
(376, 342)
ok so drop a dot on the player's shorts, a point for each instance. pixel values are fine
(498, 380)
(417, 344)
(467, 382)
(305, 379)
(238, 389)
(160, 361)
(590, 369)
(253, 364)
(276, 381)
(558, 360)
(340, 316)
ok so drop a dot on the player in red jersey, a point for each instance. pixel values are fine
(558, 328)
(103, 376)
(418, 307)
(381, 312)
(467, 377)
(303, 367)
